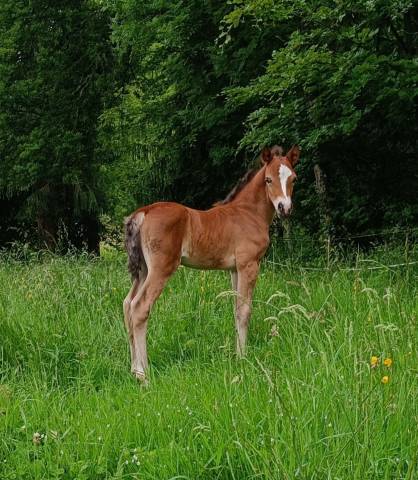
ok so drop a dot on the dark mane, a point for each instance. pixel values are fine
(238, 187)
(275, 150)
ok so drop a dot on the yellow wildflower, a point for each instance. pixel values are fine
(387, 362)
(374, 361)
(385, 379)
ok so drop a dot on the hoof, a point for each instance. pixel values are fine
(140, 376)
(241, 354)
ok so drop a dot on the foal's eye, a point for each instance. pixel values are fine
(268, 180)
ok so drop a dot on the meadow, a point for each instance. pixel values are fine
(328, 390)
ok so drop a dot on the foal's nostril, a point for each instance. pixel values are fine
(281, 207)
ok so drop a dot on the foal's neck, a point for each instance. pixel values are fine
(254, 197)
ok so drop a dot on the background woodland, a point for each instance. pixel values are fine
(106, 105)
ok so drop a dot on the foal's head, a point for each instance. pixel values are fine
(280, 177)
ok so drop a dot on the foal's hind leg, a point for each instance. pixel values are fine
(135, 289)
(140, 309)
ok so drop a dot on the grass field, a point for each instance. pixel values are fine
(305, 404)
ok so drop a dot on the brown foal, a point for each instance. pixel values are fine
(233, 235)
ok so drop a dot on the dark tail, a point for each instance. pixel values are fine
(133, 246)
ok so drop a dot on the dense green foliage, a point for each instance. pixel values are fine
(304, 404)
(55, 74)
(113, 103)
(345, 85)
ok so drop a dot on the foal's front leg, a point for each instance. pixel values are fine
(246, 278)
(234, 283)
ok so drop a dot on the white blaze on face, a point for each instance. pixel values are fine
(285, 200)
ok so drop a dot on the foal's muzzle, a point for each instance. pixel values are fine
(283, 211)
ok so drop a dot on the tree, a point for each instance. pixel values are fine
(55, 78)
(172, 134)
(345, 86)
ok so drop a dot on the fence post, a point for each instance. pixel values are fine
(407, 254)
(324, 213)
(328, 251)
(286, 234)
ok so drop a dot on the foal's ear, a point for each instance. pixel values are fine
(293, 155)
(266, 155)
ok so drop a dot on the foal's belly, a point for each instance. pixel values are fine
(211, 263)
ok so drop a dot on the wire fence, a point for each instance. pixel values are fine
(398, 246)
(349, 269)
(395, 232)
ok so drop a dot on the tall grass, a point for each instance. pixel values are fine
(306, 402)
